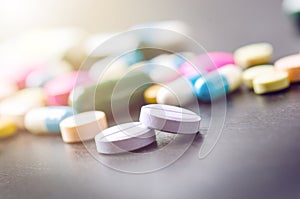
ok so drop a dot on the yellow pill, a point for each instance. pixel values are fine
(250, 74)
(7, 128)
(271, 82)
(151, 93)
(253, 54)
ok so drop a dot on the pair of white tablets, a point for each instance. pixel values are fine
(135, 135)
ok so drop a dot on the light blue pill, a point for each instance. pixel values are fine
(55, 115)
(194, 78)
(211, 87)
(133, 57)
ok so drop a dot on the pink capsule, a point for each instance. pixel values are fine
(58, 89)
(205, 63)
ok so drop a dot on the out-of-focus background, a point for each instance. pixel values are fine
(257, 155)
(217, 25)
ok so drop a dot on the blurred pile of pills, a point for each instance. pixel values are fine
(44, 90)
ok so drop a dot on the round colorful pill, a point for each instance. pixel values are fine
(253, 54)
(271, 82)
(250, 74)
(123, 138)
(291, 65)
(83, 126)
(170, 119)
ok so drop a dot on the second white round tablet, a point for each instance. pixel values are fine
(170, 119)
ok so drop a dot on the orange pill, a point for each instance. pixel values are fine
(83, 126)
(291, 65)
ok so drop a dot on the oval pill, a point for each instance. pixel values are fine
(170, 119)
(271, 82)
(83, 126)
(151, 93)
(177, 93)
(7, 128)
(291, 65)
(253, 54)
(46, 119)
(251, 73)
(124, 137)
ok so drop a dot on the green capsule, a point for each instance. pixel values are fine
(114, 97)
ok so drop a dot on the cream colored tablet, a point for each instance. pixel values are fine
(291, 65)
(271, 82)
(16, 106)
(253, 54)
(250, 74)
(83, 126)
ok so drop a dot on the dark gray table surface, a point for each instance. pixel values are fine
(257, 155)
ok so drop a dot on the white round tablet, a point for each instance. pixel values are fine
(170, 119)
(124, 137)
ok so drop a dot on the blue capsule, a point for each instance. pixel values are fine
(47, 119)
(218, 83)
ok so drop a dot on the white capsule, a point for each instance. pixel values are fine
(176, 93)
(46, 119)
(233, 74)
